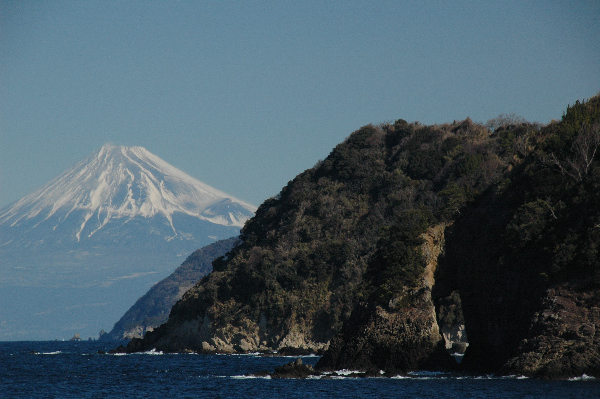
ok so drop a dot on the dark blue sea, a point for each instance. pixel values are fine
(78, 370)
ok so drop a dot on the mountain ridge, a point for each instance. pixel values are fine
(152, 309)
(104, 230)
(119, 181)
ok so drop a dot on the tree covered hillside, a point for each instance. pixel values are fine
(525, 257)
(349, 229)
(505, 215)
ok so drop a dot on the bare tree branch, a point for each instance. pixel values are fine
(584, 149)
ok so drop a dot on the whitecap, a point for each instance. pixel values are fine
(346, 372)
(242, 354)
(583, 377)
(486, 377)
(425, 373)
(152, 351)
(338, 377)
(250, 377)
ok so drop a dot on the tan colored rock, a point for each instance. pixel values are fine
(401, 338)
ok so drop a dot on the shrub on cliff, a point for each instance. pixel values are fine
(302, 259)
(536, 230)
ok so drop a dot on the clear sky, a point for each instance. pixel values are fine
(244, 95)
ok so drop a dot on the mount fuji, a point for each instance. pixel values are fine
(75, 254)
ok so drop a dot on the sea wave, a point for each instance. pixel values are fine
(346, 372)
(269, 354)
(425, 373)
(250, 377)
(255, 354)
(152, 351)
(583, 377)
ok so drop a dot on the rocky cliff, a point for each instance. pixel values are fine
(303, 260)
(408, 230)
(563, 338)
(400, 337)
(525, 258)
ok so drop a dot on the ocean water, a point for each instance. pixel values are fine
(77, 370)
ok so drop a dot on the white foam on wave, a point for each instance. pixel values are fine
(250, 377)
(152, 351)
(346, 372)
(583, 377)
(488, 377)
(425, 373)
(50, 353)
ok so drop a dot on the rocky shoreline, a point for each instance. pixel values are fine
(406, 240)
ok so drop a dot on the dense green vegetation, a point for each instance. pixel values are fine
(538, 228)
(514, 207)
(546, 214)
(350, 228)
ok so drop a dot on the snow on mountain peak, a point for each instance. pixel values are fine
(126, 182)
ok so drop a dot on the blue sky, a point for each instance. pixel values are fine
(244, 95)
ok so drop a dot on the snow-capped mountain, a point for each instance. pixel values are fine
(119, 182)
(96, 237)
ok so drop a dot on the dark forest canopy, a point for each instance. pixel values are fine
(305, 254)
(350, 229)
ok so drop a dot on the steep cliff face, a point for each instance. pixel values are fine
(399, 337)
(203, 336)
(563, 339)
(353, 221)
(525, 258)
(404, 228)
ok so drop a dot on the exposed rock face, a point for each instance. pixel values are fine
(202, 336)
(395, 340)
(525, 259)
(342, 250)
(295, 369)
(455, 338)
(404, 336)
(305, 257)
(564, 337)
(137, 331)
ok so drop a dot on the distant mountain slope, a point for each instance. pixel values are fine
(78, 251)
(119, 182)
(152, 309)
